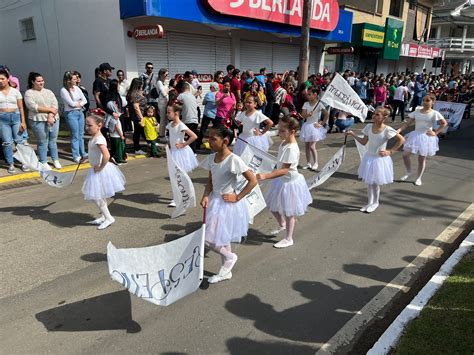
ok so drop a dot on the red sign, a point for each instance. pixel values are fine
(148, 32)
(416, 51)
(340, 50)
(425, 52)
(324, 13)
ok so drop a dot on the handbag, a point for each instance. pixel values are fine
(154, 93)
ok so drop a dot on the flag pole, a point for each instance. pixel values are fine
(77, 168)
(201, 252)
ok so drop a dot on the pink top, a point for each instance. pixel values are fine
(380, 94)
(224, 109)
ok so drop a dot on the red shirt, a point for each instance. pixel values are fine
(235, 86)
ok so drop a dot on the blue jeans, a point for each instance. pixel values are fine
(344, 124)
(9, 127)
(75, 120)
(46, 138)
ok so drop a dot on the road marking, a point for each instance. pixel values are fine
(346, 334)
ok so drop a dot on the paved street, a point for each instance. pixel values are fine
(56, 294)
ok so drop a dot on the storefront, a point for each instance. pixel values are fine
(207, 35)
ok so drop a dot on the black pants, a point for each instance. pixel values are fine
(202, 131)
(275, 115)
(398, 104)
(193, 127)
(137, 133)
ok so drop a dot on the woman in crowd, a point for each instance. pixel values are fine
(225, 104)
(136, 103)
(74, 102)
(162, 100)
(85, 109)
(12, 119)
(380, 93)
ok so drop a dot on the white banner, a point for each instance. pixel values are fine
(340, 95)
(330, 168)
(183, 189)
(160, 274)
(27, 156)
(452, 112)
(56, 178)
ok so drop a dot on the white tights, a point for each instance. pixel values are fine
(102, 204)
(311, 153)
(373, 192)
(421, 164)
(288, 222)
(225, 251)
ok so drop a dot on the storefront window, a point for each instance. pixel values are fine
(371, 6)
(396, 8)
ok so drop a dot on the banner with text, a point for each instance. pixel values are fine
(160, 274)
(452, 112)
(183, 189)
(340, 95)
(330, 168)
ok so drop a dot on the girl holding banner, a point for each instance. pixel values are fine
(251, 119)
(103, 179)
(288, 195)
(227, 215)
(376, 167)
(423, 141)
(313, 131)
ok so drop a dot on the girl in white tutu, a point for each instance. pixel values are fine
(104, 179)
(423, 141)
(251, 119)
(313, 131)
(227, 213)
(288, 196)
(376, 167)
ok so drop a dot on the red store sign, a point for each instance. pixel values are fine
(324, 13)
(148, 32)
(417, 51)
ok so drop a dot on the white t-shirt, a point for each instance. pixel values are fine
(9, 101)
(224, 174)
(289, 154)
(250, 123)
(95, 155)
(400, 93)
(316, 114)
(163, 91)
(411, 87)
(176, 133)
(378, 141)
(425, 121)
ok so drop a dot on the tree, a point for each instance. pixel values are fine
(304, 49)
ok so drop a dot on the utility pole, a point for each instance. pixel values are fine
(304, 49)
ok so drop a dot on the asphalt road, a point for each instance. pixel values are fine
(56, 295)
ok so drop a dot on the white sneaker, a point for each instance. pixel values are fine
(106, 223)
(97, 221)
(77, 160)
(139, 152)
(24, 168)
(224, 274)
(364, 209)
(314, 167)
(372, 207)
(278, 230)
(406, 176)
(172, 204)
(418, 182)
(284, 243)
(308, 166)
(57, 164)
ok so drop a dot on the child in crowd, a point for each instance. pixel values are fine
(313, 131)
(251, 119)
(423, 141)
(117, 138)
(236, 128)
(150, 126)
(376, 167)
(227, 214)
(103, 179)
(288, 195)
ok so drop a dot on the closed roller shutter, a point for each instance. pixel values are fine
(314, 59)
(255, 55)
(223, 53)
(155, 51)
(285, 57)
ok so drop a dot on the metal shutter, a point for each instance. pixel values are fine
(314, 58)
(255, 55)
(223, 53)
(285, 57)
(155, 51)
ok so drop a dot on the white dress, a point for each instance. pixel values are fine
(308, 132)
(289, 194)
(226, 222)
(417, 141)
(375, 169)
(106, 182)
(183, 157)
(250, 124)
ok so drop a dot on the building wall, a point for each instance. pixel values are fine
(64, 45)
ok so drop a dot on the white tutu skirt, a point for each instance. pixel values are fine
(288, 198)
(376, 170)
(226, 222)
(184, 158)
(262, 142)
(309, 133)
(103, 184)
(420, 143)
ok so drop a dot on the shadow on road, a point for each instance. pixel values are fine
(111, 311)
(94, 257)
(248, 346)
(143, 198)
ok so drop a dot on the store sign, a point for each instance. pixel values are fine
(393, 39)
(340, 50)
(324, 13)
(372, 36)
(148, 32)
(415, 51)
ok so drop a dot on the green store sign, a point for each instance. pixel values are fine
(393, 39)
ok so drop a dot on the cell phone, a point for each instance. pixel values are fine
(226, 91)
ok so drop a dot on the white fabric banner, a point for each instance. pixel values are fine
(330, 168)
(452, 112)
(56, 178)
(27, 156)
(340, 95)
(183, 189)
(160, 274)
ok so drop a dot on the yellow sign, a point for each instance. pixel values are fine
(372, 36)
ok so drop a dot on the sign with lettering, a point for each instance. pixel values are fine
(452, 112)
(340, 50)
(324, 13)
(160, 274)
(416, 51)
(148, 32)
(340, 95)
(330, 168)
(392, 39)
